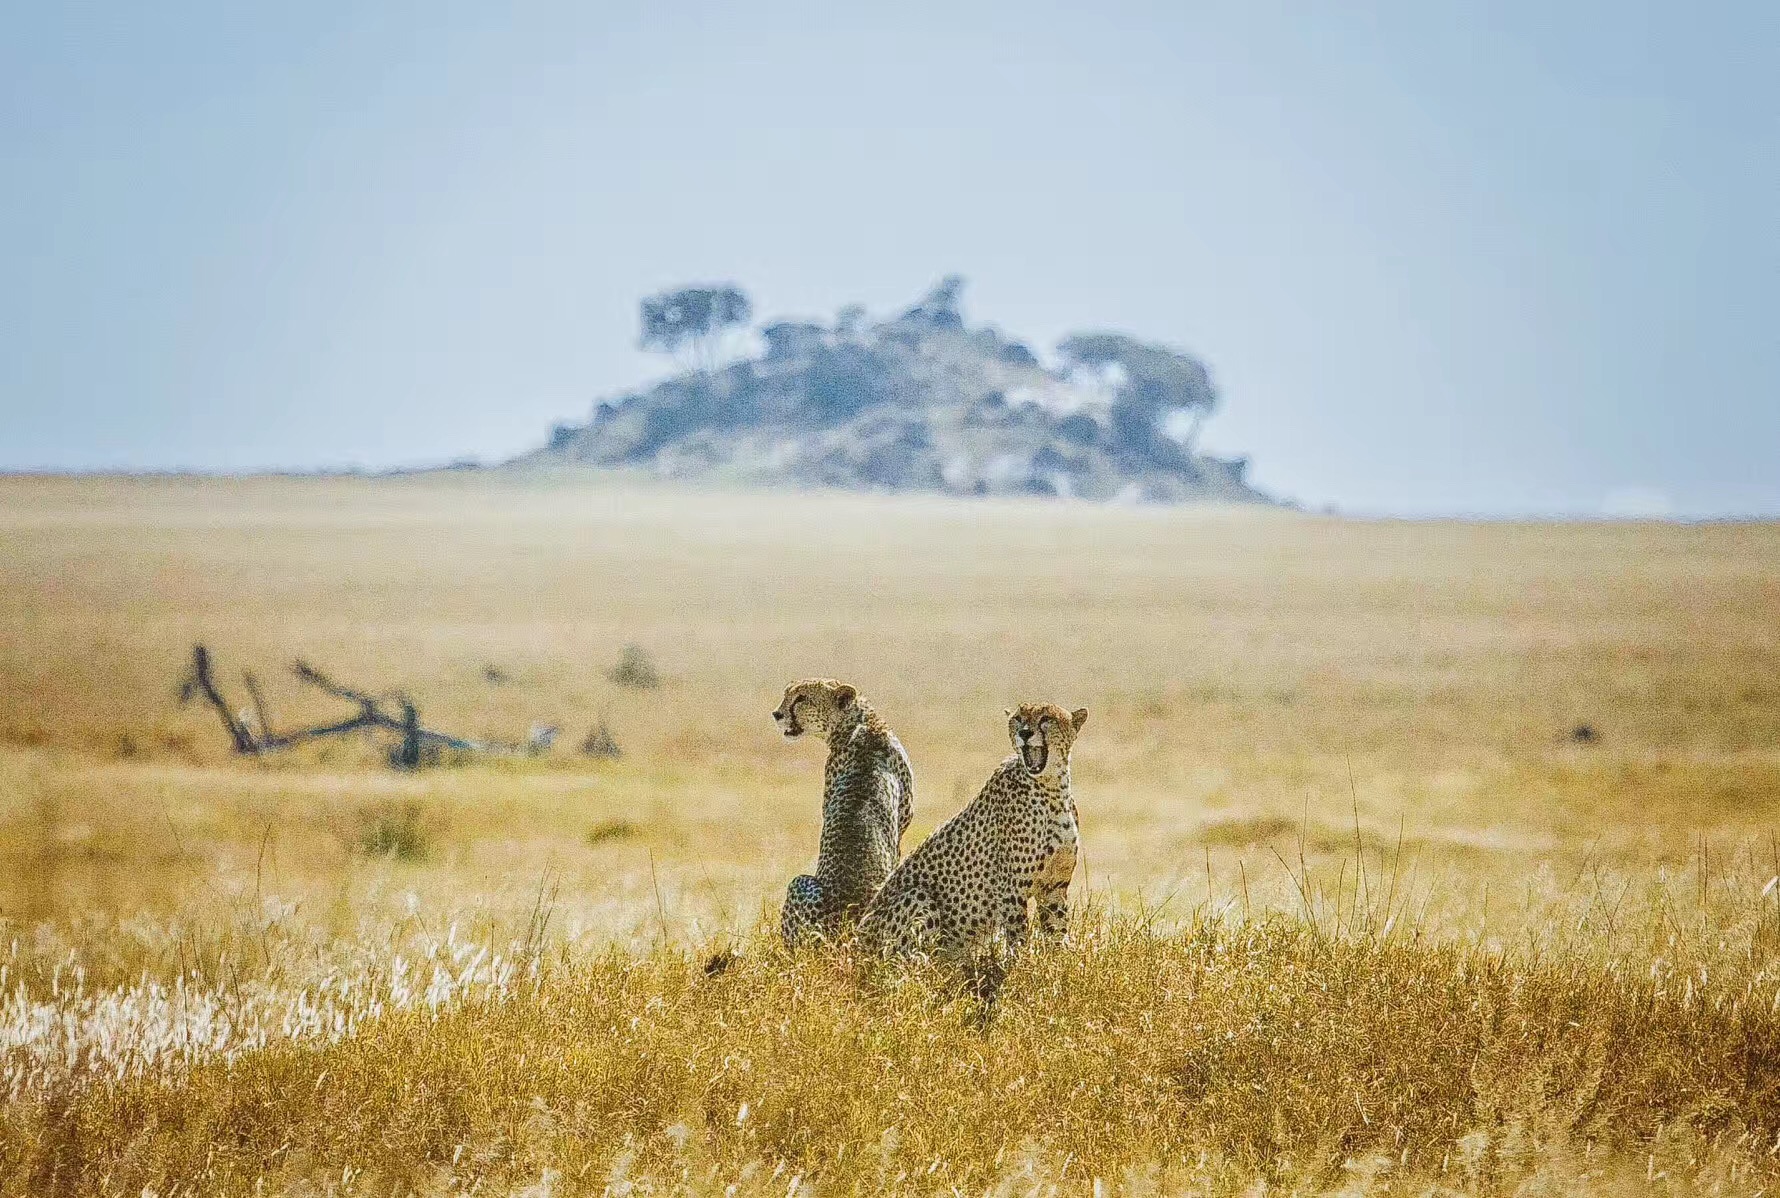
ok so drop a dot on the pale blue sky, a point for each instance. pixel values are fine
(1482, 258)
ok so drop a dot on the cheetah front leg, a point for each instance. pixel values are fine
(1014, 926)
(897, 924)
(801, 920)
(1050, 893)
(1053, 909)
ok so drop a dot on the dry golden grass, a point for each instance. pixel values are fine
(1357, 914)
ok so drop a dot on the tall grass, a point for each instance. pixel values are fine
(1357, 911)
(1351, 1043)
(1216, 1058)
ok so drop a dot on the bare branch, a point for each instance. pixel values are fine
(314, 677)
(408, 756)
(371, 715)
(259, 707)
(202, 679)
(301, 735)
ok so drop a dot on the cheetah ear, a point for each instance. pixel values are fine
(844, 696)
(1008, 712)
(1078, 717)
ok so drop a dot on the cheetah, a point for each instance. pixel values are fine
(970, 882)
(868, 798)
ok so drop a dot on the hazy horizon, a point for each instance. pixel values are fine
(1490, 263)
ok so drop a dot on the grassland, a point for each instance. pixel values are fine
(1359, 913)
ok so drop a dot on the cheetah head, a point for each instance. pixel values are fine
(1043, 734)
(814, 705)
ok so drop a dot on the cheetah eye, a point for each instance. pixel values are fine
(1047, 722)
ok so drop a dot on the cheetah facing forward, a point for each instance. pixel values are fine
(868, 797)
(971, 879)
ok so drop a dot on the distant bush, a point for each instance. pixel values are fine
(611, 829)
(635, 669)
(787, 339)
(599, 742)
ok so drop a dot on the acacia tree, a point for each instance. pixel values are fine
(693, 320)
(1159, 391)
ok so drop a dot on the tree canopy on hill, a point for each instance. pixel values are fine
(1155, 387)
(693, 317)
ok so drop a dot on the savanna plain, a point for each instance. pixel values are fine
(1418, 857)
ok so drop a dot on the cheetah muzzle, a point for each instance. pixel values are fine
(786, 717)
(1035, 750)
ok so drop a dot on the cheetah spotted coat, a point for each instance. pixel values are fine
(970, 883)
(868, 798)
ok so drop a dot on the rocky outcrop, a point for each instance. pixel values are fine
(923, 402)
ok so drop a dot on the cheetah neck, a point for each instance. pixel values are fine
(1051, 788)
(843, 738)
(841, 731)
(1055, 788)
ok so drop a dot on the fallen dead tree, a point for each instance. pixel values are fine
(252, 732)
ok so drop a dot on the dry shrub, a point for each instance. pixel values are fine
(400, 830)
(611, 829)
(635, 669)
(600, 743)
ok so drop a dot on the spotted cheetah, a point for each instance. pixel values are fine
(970, 882)
(868, 797)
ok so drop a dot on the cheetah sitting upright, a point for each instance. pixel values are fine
(868, 797)
(971, 880)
